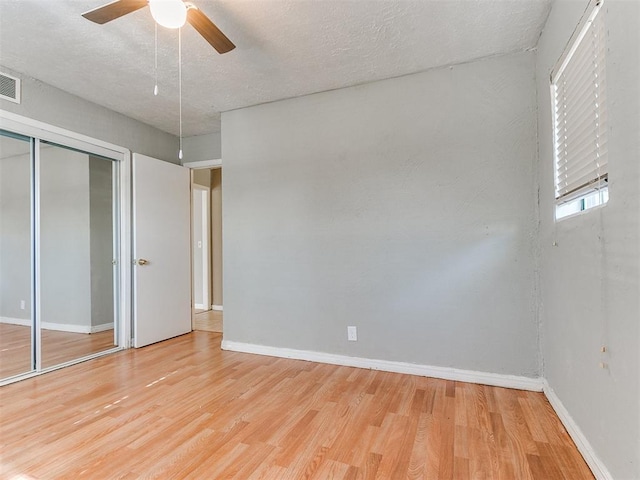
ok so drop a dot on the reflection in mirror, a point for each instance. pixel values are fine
(15, 255)
(76, 254)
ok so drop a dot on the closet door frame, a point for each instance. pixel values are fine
(122, 223)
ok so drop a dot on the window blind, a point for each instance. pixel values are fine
(580, 114)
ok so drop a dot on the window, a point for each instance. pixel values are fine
(578, 94)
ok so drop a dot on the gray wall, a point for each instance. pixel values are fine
(101, 239)
(216, 236)
(590, 282)
(64, 237)
(65, 260)
(404, 207)
(202, 147)
(15, 225)
(48, 104)
(76, 238)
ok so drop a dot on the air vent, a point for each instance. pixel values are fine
(9, 88)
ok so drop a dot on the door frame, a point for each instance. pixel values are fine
(212, 164)
(209, 164)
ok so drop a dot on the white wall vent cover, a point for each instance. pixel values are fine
(9, 88)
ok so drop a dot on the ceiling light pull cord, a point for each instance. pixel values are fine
(180, 85)
(155, 88)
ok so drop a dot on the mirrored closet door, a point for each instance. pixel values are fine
(16, 262)
(58, 250)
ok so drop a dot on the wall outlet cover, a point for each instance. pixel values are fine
(352, 334)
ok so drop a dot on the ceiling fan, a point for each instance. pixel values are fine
(168, 13)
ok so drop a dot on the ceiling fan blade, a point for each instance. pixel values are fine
(209, 31)
(114, 10)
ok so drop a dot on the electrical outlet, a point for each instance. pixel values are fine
(23, 304)
(352, 334)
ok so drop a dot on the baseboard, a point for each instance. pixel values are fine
(470, 376)
(101, 328)
(202, 306)
(598, 468)
(61, 327)
(23, 322)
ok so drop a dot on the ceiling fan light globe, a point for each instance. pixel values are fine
(169, 13)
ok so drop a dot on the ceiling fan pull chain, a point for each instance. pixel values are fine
(155, 88)
(180, 85)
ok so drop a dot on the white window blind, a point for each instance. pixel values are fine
(580, 114)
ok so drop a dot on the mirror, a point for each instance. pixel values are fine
(77, 250)
(16, 334)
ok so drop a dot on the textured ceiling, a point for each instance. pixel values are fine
(285, 48)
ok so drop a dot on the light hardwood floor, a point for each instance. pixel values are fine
(185, 409)
(210, 321)
(57, 347)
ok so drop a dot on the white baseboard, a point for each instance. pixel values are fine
(101, 328)
(598, 468)
(470, 376)
(23, 322)
(201, 306)
(61, 327)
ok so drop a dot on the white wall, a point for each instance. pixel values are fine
(404, 207)
(590, 282)
(48, 104)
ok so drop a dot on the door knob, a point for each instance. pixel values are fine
(142, 261)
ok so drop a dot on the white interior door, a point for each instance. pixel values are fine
(161, 250)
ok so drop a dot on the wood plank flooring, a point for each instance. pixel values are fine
(57, 347)
(210, 321)
(185, 409)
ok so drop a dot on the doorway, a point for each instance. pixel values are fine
(207, 248)
(200, 219)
